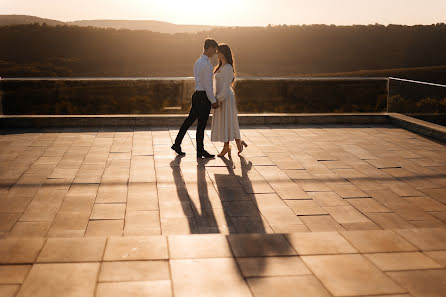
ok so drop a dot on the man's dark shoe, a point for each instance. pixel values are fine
(177, 150)
(204, 154)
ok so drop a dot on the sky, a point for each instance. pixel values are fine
(237, 12)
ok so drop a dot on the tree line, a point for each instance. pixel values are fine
(36, 50)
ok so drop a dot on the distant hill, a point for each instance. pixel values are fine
(155, 26)
(13, 19)
(414, 52)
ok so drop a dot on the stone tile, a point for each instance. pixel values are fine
(199, 246)
(254, 224)
(142, 220)
(30, 229)
(124, 271)
(105, 228)
(384, 196)
(328, 199)
(108, 212)
(320, 243)
(9, 290)
(209, 217)
(112, 193)
(58, 250)
(288, 190)
(427, 203)
(397, 295)
(8, 220)
(402, 261)
(140, 189)
(305, 207)
(48, 195)
(289, 228)
(335, 164)
(348, 191)
(231, 194)
(378, 241)
(404, 190)
(437, 194)
(267, 201)
(441, 215)
(260, 186)
(172, 194)
(77, 204)
(40, 212)
(429, 239)
(241, 208)
(208, 277)
(287, 286)
(256, 245)
(65, 279)
(422, 282)
(174, 210)
(81, 190)
(63, 173)
(389, 220)
(20, 250)
(272, 266)
(142, 203)
(179, 226)
(428, 223)
(438, 256)
(136, 248)
(69, 224)
(361, 226)
(409, 212)
(346, 214)
(135, 289)
(280, 216)
(321, 223)
(13, 274)
(347, 275)
(367, 205)
(13, 204)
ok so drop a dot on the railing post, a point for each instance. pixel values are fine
(1, 97)
(388, 94)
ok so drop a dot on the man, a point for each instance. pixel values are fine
(202, 100)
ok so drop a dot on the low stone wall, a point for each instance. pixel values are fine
(85, 96)
(418, 126)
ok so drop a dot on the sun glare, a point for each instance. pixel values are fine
(197, 11)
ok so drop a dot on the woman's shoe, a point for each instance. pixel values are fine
(242, 144)
(226, 150)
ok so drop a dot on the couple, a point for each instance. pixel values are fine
(225, 126)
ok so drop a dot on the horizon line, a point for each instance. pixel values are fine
(229, 26)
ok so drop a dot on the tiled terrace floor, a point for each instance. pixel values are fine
(103, 212)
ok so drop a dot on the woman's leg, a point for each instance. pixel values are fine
(226, 150)
(240, 145)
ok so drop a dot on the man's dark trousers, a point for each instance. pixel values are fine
(201, 107)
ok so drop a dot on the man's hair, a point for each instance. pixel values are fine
(209, 42)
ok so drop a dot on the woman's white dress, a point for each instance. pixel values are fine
(225, 126)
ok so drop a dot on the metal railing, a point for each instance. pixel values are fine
(140, 95)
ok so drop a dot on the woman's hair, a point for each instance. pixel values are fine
(226, 51)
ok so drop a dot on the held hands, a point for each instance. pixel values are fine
(215, 105)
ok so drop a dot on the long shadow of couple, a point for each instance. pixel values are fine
(236, 204)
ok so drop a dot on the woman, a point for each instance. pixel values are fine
(225, 126)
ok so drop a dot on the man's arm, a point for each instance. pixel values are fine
(208, 83)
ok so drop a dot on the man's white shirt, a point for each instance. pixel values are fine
(203, 73)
